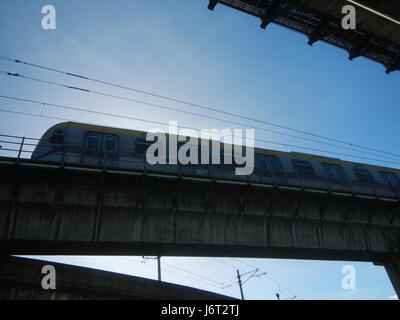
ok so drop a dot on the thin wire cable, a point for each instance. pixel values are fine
(197, 129)
(190, 113)
(279, 284)
(33, 115)
(223, 262)
(192, 128)
(189, 272)
(235, 268)
(182, 111)
(193, 273)
(269, 283)
(258, 269)
(175, 273)
(169, 271)
(193, 104)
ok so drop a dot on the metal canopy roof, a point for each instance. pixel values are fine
(377, 33)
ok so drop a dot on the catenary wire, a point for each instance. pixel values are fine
(192, 104)
(191, 113)
(276, 286)
(281, 286)
(192, 128)
(190, 272)
(177, 274)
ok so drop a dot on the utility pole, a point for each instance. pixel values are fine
(253, 274)
(159, 267)
(240, 284)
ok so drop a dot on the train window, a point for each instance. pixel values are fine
(363, 175)
(141, 146)
(57, 137)
(179, 146)
(188, 153)
(222, 156)
(110, 143)
(303, 167)
(391, 178)
(93, 141)
(334, 171)
(272, 164)
(202, 151)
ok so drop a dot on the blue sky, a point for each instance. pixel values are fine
(220, 59)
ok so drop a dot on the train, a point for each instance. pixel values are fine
(99, 146)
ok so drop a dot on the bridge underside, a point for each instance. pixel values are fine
(375, 37)
(51, 210)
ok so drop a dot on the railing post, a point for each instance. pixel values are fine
(21, 147)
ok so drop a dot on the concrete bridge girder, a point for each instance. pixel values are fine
(108, 213)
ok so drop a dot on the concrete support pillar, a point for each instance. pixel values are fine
(393, 270)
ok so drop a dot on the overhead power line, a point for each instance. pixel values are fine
(276, 285)
(280, 286)
(213, 283)
(219, 110)
(33, 115)
(186, 127)
(241, 283)
(190, 113)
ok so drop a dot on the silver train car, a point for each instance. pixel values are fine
(84, 144)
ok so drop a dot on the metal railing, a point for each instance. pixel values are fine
(15, 146)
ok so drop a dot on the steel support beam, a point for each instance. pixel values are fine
(395, 65)
(321, 31)
(360, 48)
(275, 10)
(212, 4)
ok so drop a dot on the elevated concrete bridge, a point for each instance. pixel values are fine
(48, 209)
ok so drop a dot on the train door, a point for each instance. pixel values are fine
(92, 149)
(110, 150)
(101, 149)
